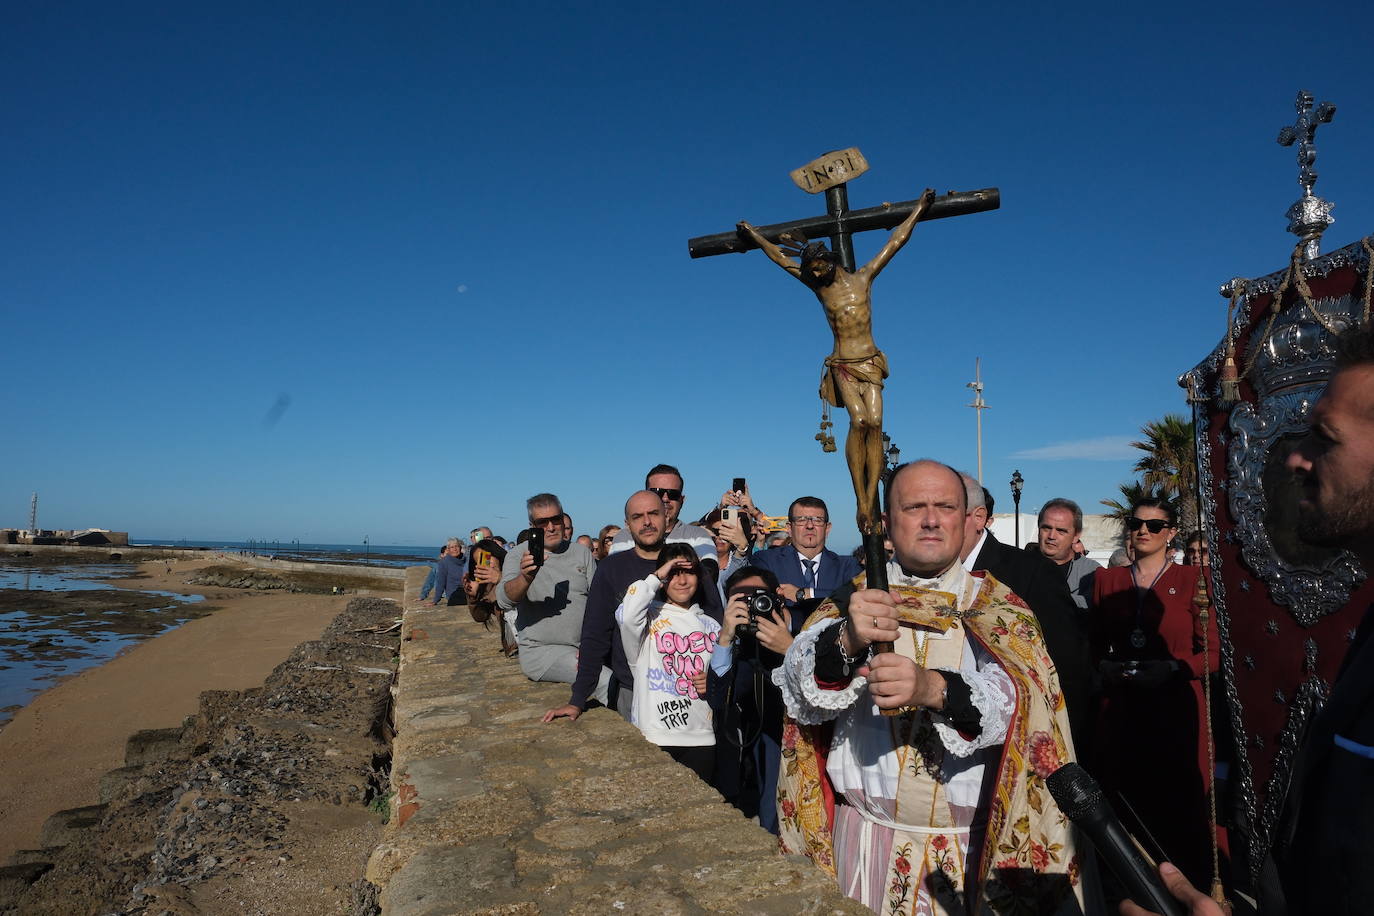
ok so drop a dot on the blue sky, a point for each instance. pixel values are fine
(314, 272)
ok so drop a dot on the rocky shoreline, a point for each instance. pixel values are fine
(267, 800)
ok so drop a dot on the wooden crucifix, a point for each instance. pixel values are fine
(854, 371)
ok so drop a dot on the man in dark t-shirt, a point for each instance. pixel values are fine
(645, 519)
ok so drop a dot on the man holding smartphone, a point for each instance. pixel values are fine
(544, 584)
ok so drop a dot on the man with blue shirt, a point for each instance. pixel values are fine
(805, 568)
(448, 578)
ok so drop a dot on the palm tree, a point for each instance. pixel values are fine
(1131, 494)
(1170, 464)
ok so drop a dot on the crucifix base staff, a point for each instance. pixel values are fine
(855, 369)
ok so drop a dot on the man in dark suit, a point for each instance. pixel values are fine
(806, 569)
(1037, 581)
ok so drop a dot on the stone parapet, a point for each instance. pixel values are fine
(494, 811)
(348, 569)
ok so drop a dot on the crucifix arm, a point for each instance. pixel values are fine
(899, 236)
(775, 254)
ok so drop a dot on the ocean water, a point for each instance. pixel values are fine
(41, 643)
(360, 554)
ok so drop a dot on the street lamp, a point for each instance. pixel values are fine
(366, 550)
(1017, 482)
(893, 456)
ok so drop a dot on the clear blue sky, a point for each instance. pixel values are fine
(445, 246)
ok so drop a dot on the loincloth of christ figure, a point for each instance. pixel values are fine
(855, 369)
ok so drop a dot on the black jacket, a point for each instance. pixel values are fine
(1039, 583)
(1326, 839)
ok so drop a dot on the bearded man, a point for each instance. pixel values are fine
(1326, 835)
(916, 776)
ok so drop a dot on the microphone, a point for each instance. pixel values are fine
(1080, 798)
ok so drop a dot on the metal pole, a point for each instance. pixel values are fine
(978, 408)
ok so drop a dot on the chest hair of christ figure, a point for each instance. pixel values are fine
(855, 369)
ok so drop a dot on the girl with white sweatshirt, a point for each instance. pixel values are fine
(668, 642)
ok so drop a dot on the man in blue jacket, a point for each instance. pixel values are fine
(806, 569)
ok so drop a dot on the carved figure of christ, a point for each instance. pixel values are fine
(856, 367)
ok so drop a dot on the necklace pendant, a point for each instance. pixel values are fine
(1138, 638)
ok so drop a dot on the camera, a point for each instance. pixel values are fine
(760, 602)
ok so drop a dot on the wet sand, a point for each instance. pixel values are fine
(54, 751)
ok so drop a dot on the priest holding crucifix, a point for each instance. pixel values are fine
(854, 372)
(941, 808)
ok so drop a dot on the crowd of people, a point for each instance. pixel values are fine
(901, 737)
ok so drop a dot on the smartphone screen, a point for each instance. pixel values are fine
(738, 485)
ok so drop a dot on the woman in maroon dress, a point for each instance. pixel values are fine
(1148, 643)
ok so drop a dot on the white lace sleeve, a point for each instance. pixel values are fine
(993, 695)
(796, 678)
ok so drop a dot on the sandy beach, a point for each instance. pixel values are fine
(54, 751)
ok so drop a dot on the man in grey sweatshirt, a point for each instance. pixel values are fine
(548, 600)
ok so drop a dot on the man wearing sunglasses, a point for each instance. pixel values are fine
(666, 481)
(548, 601)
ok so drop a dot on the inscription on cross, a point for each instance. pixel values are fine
(854, 372)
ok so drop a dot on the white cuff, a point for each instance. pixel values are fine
(994, 706)
(803, 698)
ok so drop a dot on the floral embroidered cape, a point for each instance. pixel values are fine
(1029, 863)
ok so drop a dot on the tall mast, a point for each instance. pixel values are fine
(978, 407)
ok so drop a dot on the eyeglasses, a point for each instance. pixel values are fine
(1156, 525)
(807, 519)
(550, 521)
(667, 494)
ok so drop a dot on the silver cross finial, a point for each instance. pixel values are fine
(1305, 132)
(1309, 216)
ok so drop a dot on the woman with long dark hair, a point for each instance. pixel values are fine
(1149, 642)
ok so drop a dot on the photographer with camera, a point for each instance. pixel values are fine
(544, 585)
(756, 632)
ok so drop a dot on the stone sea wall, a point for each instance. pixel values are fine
(259, 803)
(401, 768)
(494, 811)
